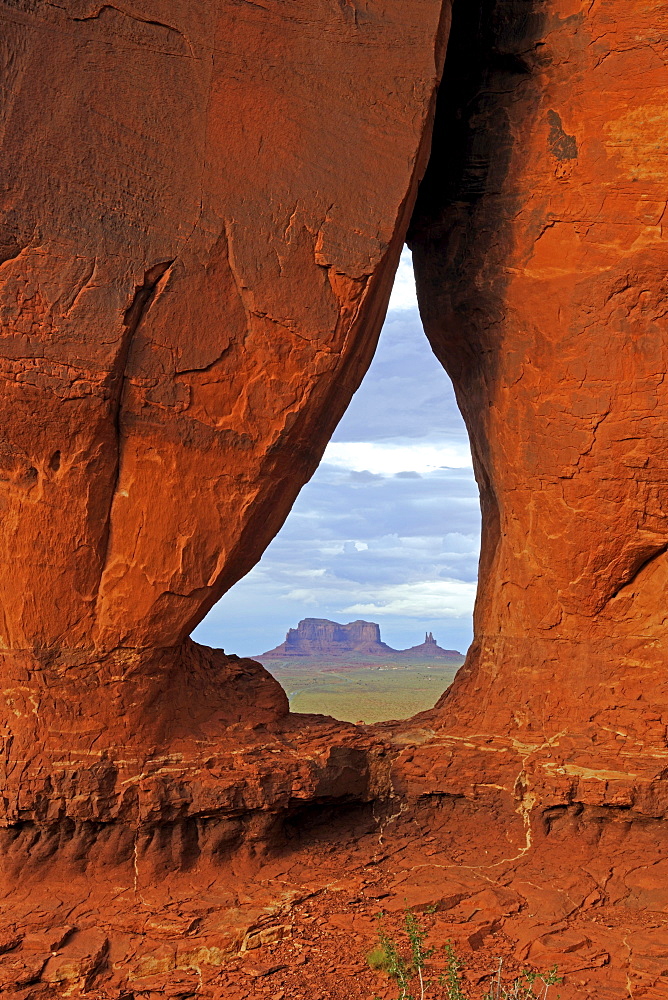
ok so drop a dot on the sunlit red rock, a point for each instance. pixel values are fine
(202, 207)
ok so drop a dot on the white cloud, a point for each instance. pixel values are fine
(389, 457)
(403, 292)
(306, 597)
(425, 599)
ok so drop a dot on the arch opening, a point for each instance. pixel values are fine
(385, 533)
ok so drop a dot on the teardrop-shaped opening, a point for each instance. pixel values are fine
(385, 534)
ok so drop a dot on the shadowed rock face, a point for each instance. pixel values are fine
(540, 255)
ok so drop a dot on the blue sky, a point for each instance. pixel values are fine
(388, 528)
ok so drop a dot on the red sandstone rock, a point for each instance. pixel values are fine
(203, 212)
(541, 258)
(205, 207)
(202, 208)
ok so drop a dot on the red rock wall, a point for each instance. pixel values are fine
(203, 208)
(202, 205)
(541, 258)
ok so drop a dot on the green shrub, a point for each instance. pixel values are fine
(407, 966)
(377, 959)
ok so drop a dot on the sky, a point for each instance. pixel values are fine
(388, 528)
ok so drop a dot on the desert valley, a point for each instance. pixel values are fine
(347, 672)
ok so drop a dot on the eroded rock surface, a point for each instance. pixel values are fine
(202, 208)
(320, 637)
(541, 255)
(268, 874)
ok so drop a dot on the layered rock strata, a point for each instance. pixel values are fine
(321, 637)
(262, 861)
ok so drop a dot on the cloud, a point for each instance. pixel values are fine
(339, 505)
(400, 551)
(425, 599)
(389, 458)
(406, 394)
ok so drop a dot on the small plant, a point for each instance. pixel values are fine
(395, 965)
(419, 954)
(377, 959)
(495, 992)
(522, 988)
(410, 970)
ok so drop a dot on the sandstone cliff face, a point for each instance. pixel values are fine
(203, 210)
(540, 252)
(202, 207)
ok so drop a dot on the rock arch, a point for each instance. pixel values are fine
(202, 210)
(200, 248)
